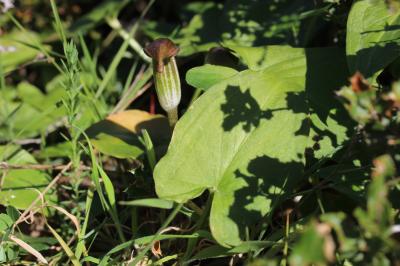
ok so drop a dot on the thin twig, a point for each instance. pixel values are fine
(38, 59)
(48, 187)
(138, 94)
(3, 177)
(5, 165)
(394, 181)
(27, 141)
(123, 103)
(53, 127)
(116, 25)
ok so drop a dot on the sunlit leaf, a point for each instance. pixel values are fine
(21, 187)
(205, 76)
(229, 138)
(244, 140)
(16, 52)
(373, 34)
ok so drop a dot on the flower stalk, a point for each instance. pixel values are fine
(166, 76)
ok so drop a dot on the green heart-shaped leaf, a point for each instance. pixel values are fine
(204, 77)
(245, 138)
(373, 34)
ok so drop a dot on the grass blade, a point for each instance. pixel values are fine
(65, 246)
(152, 203)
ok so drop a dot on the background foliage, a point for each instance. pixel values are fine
(286, 151)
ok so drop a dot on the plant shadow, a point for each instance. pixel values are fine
(250, 22)
(267, 181)
(115, 130)
(242, 109)
(375, 58)
(158, 129)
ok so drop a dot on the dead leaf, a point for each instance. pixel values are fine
(29, 249)
(329, 244)
(358, 83)
(156, 249)
(118, 134)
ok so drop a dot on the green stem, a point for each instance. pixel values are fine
(116, 25)
(164, 225)
(196, 95)
(194, 207)
(81, 247)
(199, 224)
(173, 117)
(134, 221)
(120, 54)
(114, 217)
(321, 206)
(286, 246)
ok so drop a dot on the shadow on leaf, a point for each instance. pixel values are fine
(266, 182)
(375, 58)
(249, 23)
(241, 108)
(122, 140)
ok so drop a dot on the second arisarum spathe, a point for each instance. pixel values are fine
(166, 76)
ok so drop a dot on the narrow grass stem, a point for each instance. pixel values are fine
(120, 54)
(116, 25)
(48, 187)
(199, 224)
(169, 219)
(286, 246)
(196, 95)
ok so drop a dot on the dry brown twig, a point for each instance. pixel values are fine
(123, 104)
(29, 213)
(7, 166)
(48, 187)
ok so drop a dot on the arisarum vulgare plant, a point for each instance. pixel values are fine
(166, 76)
